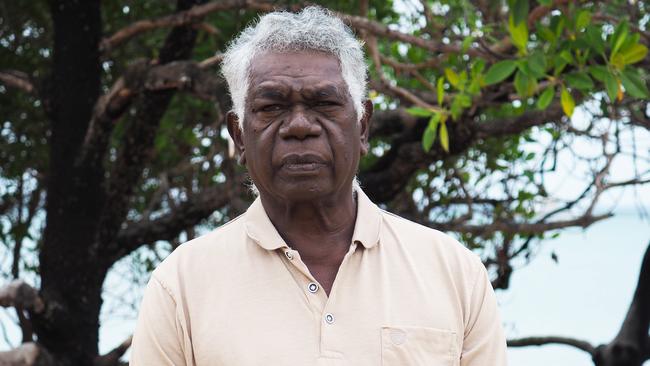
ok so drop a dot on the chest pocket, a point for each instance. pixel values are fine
(418, 346)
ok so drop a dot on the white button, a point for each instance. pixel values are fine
(289, 255)
(312, 287)
(329, 318)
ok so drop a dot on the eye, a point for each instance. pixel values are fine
(271, 108)
(325, 103)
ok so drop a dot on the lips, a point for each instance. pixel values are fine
(302, 162)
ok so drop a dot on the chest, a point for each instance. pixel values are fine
(372, 315)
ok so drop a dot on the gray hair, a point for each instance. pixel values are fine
(313, 29)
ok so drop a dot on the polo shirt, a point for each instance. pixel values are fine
(405, 294)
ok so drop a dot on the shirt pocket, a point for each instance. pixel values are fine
(418, 346)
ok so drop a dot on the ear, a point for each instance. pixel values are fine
(237, 136)
(364, 125)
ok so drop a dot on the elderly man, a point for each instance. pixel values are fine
(313, 273)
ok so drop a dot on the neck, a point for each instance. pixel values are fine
(319, 229)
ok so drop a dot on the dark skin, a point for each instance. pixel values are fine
(301, 143)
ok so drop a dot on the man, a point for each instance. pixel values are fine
(313, 273)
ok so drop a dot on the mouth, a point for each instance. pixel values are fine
(302, 163)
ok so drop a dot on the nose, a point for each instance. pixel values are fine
(299, 126)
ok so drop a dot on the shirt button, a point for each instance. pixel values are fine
(289, 255)
(329, 318)
(312, 287)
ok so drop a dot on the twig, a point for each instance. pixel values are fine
(17, 79)
(541, 341)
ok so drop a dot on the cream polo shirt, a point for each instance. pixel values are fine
(239, 296)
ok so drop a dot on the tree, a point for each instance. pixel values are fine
(113, 140)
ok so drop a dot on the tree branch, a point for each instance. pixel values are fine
(186, 215)
(144, 76)
(27, 354)
(137, 148)
(513, 227)
(113, 357)
(388, 176)
(17, 79)
(541, 341)
(19, 294)
(193, 15)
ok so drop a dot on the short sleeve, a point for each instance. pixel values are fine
(158, 334)
(484, 341)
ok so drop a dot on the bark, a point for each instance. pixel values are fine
(631, 345)
(70, 278)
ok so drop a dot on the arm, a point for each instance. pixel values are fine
(158, 337)
(484, 342)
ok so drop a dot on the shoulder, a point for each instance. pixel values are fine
(428, 244)
(202, 255)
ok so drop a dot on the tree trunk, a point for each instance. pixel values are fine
(71, 283)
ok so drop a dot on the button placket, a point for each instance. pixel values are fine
(312, 287)
(288, 254)
(329, 318)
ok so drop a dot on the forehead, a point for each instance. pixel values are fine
(296, 70)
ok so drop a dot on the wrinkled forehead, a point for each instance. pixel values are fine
(304, 70)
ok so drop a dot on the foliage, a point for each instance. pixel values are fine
(474, 103)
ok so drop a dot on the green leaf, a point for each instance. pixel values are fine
(477, 67)
(467, 42)
(430, 133)
(546, 2)
(568, 104)
(618, 38)
(583, 19)
(519, 34)
(434, 120)
(634, 84)
(561, 60)
(630, 41)
(500, 71)
(444, 137)
(525, 84)
(520, 11)
(537, 64)
(634, 54)
(611, 84)
(452, 76)
(428, 138)
(599, 72)
(594, 36)
(441, 90)
(419, 112)
(546, 34)
(579, 80)
(458, 104)
(546, 98)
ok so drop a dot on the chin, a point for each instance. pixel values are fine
(304, 192)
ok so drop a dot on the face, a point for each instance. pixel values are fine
(302, 139)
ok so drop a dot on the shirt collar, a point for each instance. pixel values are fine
(366, 228)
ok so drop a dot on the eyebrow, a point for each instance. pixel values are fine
(270, 92)
(323, 92)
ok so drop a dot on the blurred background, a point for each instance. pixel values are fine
(520, 127)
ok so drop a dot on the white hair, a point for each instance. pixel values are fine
(312, 29)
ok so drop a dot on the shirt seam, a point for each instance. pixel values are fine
(165, 287)
(477, 278)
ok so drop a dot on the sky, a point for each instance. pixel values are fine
(585, 295)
